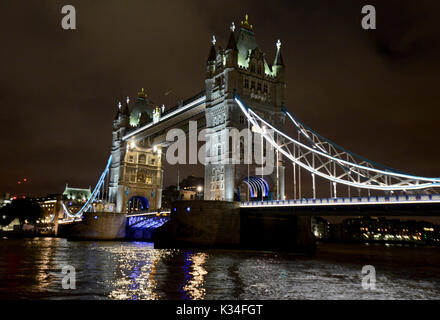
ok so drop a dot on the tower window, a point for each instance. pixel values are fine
(259, 70)
(259, 86)
(241, 119)
(246, 85)
(131, 175)
(142, 159)
(253, 68)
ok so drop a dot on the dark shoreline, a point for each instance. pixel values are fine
(31, 234)
(382, 242)
(24, 235)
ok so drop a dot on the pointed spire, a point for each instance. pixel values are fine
(126, 109)
(279, 58)
(212, 53)
(118, 112)
(232, 44)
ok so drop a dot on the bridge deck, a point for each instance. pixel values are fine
(413, 199)
(424, 206)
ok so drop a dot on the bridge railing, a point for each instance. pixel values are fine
(148, 220)
(324, 159)
(435, 198)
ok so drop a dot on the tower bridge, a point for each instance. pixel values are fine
(244, 91)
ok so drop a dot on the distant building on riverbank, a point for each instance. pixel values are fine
(190, 188)
(5, 200)
(77, 194)
(382, 229)
(48, 204)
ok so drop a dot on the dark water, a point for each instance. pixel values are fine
(31, 269)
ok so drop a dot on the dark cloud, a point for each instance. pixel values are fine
(374, 92)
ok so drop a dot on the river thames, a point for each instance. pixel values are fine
(31, 269)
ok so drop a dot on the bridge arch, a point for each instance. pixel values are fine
(257, 187)
(137, 204)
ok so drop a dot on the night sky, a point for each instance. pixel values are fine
(376, 93)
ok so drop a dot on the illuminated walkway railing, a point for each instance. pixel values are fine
(93, 196)
(322, 158)
(409, 199)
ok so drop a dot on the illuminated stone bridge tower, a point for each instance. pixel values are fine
(136, 175)
(242, 68)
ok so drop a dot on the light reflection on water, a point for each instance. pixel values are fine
(134, 277)
(195, 276)
(135, 271)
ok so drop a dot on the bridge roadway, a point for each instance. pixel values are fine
(411, 205)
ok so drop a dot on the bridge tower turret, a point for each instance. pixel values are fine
(120, 126)
(136, 174)
(210, 64)
(242, 69)
(278, 64)
(231, 53)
